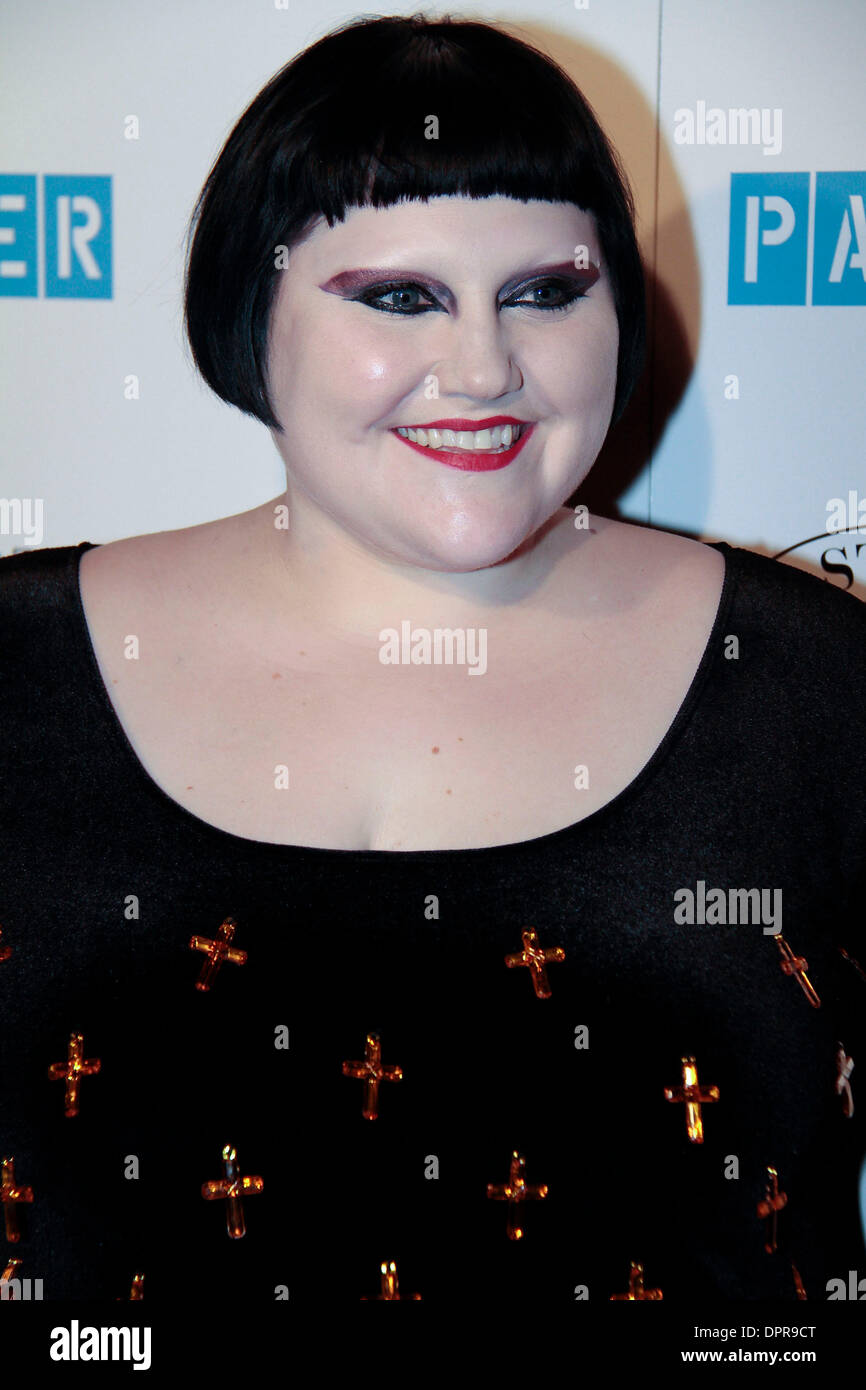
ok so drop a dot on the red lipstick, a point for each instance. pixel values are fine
(458, 423)
(471, 461)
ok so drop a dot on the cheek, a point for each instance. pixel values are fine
(379, 363)
(578, 369)
(345, 360)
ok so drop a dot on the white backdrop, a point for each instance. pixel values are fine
(751, 418)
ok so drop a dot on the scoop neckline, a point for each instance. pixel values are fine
(98, 693)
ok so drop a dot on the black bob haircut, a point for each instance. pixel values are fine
(343, 125)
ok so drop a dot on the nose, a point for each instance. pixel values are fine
(478, 357)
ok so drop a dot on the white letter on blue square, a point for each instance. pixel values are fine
(768, 247)
(840, 239)
(77, 236)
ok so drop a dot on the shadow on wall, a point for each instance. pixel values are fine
(673, 292)
(666, 240)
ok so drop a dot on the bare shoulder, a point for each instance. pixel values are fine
(662, 547)
(657, 566)
(160, 572)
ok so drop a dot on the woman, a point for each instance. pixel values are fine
(557, 926)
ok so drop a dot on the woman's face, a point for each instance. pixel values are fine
(405, 316)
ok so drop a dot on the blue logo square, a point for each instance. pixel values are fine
(19, 246)
(839, 274)
(77, 236)
(769, 239)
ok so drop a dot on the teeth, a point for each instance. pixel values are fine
(497, 438)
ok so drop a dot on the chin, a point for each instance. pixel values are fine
(464, 547)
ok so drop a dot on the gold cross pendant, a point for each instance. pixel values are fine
(136, 1291)
(797, 966)
(636, 1290)
(217, 951)
(515, 1191)
(390, 1288)
(372, 1070)
(231, 1188)
(693, 1097)
(769, 1208)
(72, 1070)
(536, 960)
(10, 1195)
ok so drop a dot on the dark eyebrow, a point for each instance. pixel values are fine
(364, 277)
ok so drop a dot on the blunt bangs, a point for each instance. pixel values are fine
(350, 123)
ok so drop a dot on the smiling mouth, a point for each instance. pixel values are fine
(473, 451)
(493, 440)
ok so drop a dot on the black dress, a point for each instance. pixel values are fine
(759, 783)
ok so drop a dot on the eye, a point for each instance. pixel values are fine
(405, 298)
(549, 295)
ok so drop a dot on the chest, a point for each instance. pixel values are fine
(343, 749)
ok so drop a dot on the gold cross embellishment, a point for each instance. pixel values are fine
(217, 951)
(844, 1068)
(636, 1291)
(136, 1291)
(10, 1195)
(390, 1288)
(693, 1096)
(231, 1188)
(371, 1071)
(797, 966)
(515, 1191)
(536, 959)
(769, 1209)
(72, 1070)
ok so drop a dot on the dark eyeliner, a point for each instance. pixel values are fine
(571, 290)
(373, 292)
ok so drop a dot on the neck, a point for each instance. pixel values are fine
(344, 586)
